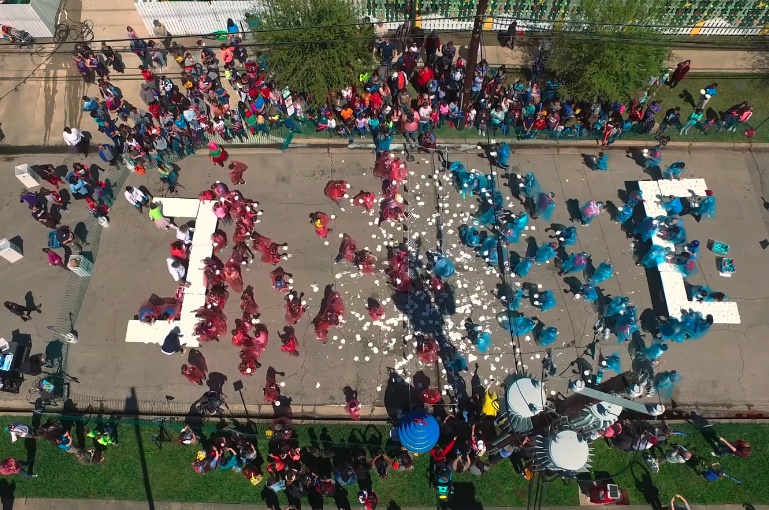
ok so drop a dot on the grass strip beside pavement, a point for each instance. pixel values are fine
(170, 476)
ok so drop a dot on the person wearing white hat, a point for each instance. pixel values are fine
(706, 95)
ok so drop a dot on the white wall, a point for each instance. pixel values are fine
(195, 18)
(38, 18)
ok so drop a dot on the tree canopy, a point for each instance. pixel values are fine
(315, 45)
(606, 58)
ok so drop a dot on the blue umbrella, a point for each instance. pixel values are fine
(419, 432)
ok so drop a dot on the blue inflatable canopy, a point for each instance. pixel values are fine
(419, 432)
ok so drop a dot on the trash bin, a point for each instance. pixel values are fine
(27, 177)
(10, 251)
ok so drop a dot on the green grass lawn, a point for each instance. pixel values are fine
(172, 479)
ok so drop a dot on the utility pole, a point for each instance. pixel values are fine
(472, 57)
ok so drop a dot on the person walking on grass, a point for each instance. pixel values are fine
(680, 72)
(706, 95)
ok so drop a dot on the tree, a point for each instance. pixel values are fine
(608, 51)
(315, 45)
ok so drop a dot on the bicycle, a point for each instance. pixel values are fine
(77, 31)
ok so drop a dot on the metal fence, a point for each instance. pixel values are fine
(697, 17)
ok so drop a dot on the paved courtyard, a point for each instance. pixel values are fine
(726, 367)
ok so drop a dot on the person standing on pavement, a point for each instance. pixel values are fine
(512, 30)
(111, 58)
(177, 270)
(66, 237)
(172, 343)
(146, 94)
(236, 169)
(54, 259)
(160, 31)
(158, 55)
(387, 50)
(106, 154)
(77, 142)
(82, 67)
(136, 197)
(679, 73)
(139, 47)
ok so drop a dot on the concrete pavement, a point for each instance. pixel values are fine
(359, 354)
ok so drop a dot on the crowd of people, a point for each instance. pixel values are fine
(326, 469)
(179, 115)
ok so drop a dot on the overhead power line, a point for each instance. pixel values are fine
(522, 22)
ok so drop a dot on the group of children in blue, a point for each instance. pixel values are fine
(493, 227)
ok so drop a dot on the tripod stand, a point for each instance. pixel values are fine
(162, 436)
(168, 188)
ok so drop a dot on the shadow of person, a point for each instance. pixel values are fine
(30, 445)
(341, 498)
(196, 358)
(7, 497)
(651, 494)
(392, 505)
(216, 381)
(81, 232)
(687, 97)
(270, 499)
(572, 207)
(29, 303)
(589, 160)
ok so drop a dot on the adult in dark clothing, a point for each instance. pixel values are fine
(679, 73)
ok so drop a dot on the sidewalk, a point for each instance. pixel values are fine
(97, 504)
(703, 60)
